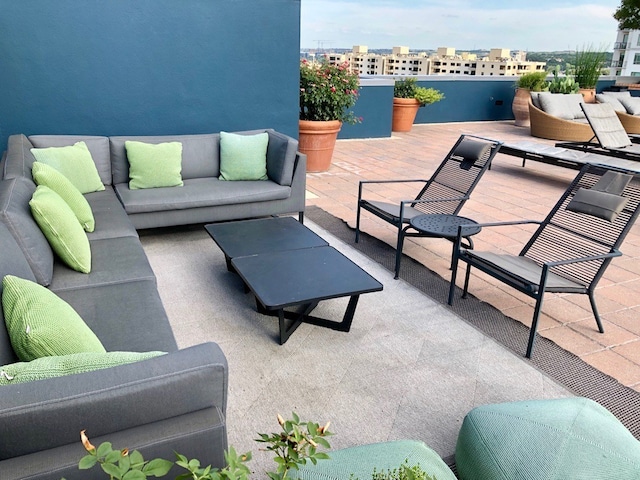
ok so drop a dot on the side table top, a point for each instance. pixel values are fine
(443, 225)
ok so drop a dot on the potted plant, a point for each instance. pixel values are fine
(408, 97)
(563, 84)
(587, 70)
(327, 92)
(527, 83)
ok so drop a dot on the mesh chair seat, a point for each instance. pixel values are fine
(526, 272)
(393, 211)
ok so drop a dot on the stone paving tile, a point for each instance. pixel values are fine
(506, 192)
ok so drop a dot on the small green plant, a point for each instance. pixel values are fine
(408, 88)
(296, 443)
(404, 472)
(565, 84)
(534, 81)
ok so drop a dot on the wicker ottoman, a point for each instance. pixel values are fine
(361, 460)
(569, 438)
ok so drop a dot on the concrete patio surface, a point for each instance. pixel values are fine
(506, 192)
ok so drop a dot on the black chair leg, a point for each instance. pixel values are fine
(466, 281)
(301, 217)
(358, 223)
(534, 326)
(452, 285)
(399, 251)
(595, 312)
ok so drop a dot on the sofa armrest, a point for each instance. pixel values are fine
(44, 414)
(19, 158)
(281, 157)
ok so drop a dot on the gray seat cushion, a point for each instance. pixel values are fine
(111, 219)
(199, 192)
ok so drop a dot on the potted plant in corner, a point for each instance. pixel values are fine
(408, 97)
(527, 83)
(327, 92)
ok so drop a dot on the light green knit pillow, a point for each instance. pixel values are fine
(154, 165)
(41, 324)
(62, 229)
(44, 174)
(74, 162)
(49, 367)
(243, 157)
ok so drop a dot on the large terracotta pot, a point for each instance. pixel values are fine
(404, 114)
(316, 139)
(589, 95)
(520, 107)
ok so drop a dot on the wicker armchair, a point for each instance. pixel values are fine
(631, 123)
(544, 125)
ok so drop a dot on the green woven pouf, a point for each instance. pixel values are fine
(361, 460)
(568, 438)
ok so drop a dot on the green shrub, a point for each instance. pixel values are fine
(534, 81)
(407, 88)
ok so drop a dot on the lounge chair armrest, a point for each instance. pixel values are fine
(43, 414)
(614, 253)
(414, 180)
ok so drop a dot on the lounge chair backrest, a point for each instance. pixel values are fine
(592, 217)
(457, 175)
(606, 125)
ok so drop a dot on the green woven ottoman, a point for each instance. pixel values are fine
(568, 438)
(361, 460)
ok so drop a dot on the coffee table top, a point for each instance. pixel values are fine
(443, 225)
(294, 277)
(250, 237)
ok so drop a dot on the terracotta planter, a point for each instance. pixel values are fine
(404, 114)
(520, 107)
(589, 95)
(316, 139)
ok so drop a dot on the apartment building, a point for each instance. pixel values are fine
(626, 54)
(444, 62)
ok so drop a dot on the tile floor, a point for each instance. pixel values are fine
(506, 192)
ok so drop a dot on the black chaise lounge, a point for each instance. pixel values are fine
(444, 193)
(572, 246)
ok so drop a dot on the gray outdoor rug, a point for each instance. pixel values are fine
(565, 367)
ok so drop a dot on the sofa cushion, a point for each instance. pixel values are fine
(565, 106)
(62, 229)
(199, 192)
(43, 174)
(631, 104)
(57, 366)
(200, 154)
(40, 324)
(154, 165)
(243, 157)
(281, 157)
(15, 195)
(74, 162)
(611, 100)
(111, 219)
(98, 146)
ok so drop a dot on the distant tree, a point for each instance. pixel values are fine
(628, 15)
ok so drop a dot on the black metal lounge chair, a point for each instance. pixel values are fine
(572, 246)
(444, 193)
(610, 136)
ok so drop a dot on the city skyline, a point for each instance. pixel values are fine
(462, 24)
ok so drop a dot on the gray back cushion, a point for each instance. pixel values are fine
(12, 262)
(15, 213)
(200, 155)
(98, 146)
(281, 157)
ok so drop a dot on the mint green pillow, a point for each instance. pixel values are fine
(62, 229)
(154, 165)
(57, 366)
(74, 162)
(243, 157)
(44, 174)
(41, 324)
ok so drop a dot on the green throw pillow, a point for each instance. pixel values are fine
(62, 229)
(41, 324)
(57, 366)
(243, 157)
(154, 165)
(74, 162)
(44, 174)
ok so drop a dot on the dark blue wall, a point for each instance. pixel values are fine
(148, 66)
(375, 106)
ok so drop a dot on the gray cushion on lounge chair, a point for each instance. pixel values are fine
(471, 151)
(526, 271)
(599, 204)
(612, 182)
(612, 100)
(606, 125)
(632, 104)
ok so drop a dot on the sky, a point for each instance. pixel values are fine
(540, 25)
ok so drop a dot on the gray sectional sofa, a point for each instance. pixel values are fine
(170, 403)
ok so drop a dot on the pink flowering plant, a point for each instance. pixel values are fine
(327, 91)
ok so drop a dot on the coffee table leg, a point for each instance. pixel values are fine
(298, 318)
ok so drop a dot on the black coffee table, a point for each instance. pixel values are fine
(297, 276)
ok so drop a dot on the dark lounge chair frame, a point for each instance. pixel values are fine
(444, 193)
(570, 251)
